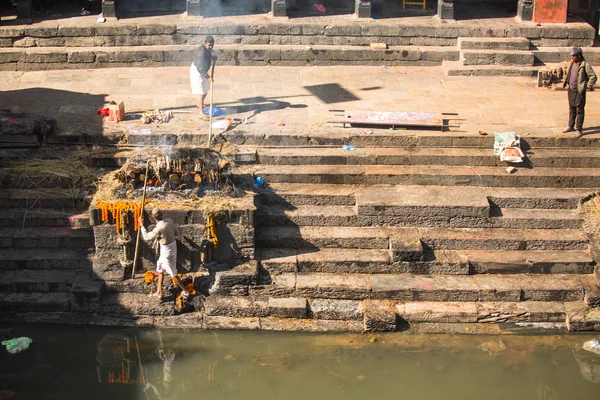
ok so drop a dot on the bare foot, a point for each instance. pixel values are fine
(157, 295)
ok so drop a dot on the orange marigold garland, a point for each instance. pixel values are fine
(119, 207)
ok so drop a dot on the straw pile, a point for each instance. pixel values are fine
(70, 167)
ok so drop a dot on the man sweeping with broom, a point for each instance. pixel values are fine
(165, 232)
(199, 78)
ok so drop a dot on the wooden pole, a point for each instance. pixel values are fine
(210, 111)
(137, 241)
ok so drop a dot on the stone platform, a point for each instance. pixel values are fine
(416, 228)
(484, 46)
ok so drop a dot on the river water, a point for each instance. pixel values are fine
(71, 362)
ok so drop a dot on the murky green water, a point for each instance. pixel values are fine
(100, 363)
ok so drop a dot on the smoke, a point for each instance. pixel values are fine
(222, 8)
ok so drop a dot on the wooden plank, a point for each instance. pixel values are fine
(430, 119)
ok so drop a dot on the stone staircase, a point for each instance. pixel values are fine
(438, 239)
(46, 243)
(493, 56)
(464, 49)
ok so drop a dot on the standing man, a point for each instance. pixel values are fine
(165, 232)
(580, 77)
(199, 77)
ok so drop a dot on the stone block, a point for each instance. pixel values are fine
(498, 287)
(445, 9)
(80, 57)
(9, 57)
(132, 304)
(122, 321)
(245, 274)
(336, 309)
(41, 32)
(591, 287)
(581, 318)
(455, 312)
(281, 285)
(231, 323)
(362, 9)
(290, 307)
(193, 320)
(35, 301)
(308, 325)
(108, 269)
(115, 30)
(44, 57)
(379, 316)
(335, 286)
(235, 306)
(193, 8)
(406, 250)
(85, 292)
(555, 287)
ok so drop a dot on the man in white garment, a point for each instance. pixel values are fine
(165, 232)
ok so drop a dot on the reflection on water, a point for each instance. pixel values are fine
(100, 363)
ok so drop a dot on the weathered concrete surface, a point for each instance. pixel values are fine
(336, 309)
(287, 307)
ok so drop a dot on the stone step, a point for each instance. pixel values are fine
(457, 68)
(258, 30)
(49, 58)
(290, 194)
(409, 287)
(493, 43)
(51, 198)
(295, 194)
(497, 57)
(36, 301)
(457, 216)
(21, 218)
(316, 237)
(133, 304)
(431, 175)
(64, 237)
(45, 258)
(37, 280)
(456, 156)
(442, 262)
(334, 136)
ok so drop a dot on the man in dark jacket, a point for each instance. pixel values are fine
(199, 77)
(580, 77)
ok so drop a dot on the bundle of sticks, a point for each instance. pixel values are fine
(157, 116)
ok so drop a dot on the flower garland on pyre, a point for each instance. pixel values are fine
(119, 208)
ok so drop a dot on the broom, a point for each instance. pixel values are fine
(137, 241)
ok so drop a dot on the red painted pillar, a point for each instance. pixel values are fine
(550, 11)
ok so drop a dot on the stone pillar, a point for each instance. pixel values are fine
(108, 9)
(445, 9)
(363, 9)
(193, 8)
(525, 10)
(279, 8)
(25, 11)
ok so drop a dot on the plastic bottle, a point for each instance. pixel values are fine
(258, 182)
(17, 345)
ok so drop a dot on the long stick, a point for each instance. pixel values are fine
(137, 347)
(137, 241)
(212, 74)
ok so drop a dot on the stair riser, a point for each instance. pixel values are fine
(28, 287)
(63, 243)
(424, 221)
(351, 243)
(361, 141)
(33, 203)
(500, 202)
(439, 180)
(83, 263)
(494, 58)
(490, 161)
(432, 268)
(505, 44)
(313, 200)
(47, 222)
(542, 203)
(434, 244)
(43, 302)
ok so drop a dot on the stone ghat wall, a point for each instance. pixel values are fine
(235, 231)
(580, 34)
